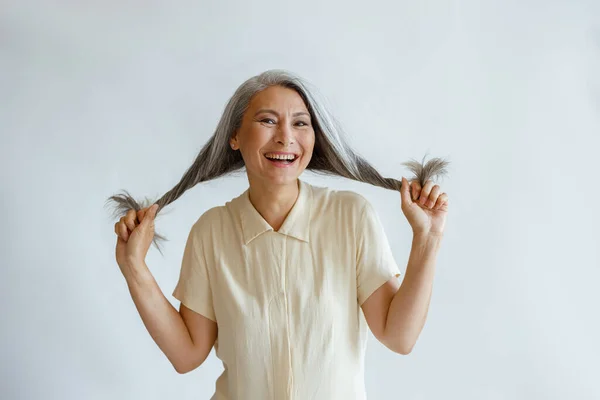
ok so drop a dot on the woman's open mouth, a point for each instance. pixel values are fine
(281, 160)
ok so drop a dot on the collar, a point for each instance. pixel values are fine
(296, 223)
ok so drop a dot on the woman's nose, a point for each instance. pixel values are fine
(285, 135)
(285, 141)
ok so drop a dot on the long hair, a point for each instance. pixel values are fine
(331, 154)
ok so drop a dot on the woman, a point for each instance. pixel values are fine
(284, 279)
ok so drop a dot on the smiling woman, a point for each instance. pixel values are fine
(280, 273)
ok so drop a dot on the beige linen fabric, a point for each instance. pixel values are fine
(287, 302)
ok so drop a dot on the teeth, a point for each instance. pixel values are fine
(281, 156)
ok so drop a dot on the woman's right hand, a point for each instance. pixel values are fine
(135, 232)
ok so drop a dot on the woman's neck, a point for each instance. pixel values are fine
(273, 202)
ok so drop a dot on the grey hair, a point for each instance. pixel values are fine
(331, 154)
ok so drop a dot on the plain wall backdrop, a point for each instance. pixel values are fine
(102, 96)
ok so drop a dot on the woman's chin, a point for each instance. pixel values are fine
(278, 176)
(286, 178)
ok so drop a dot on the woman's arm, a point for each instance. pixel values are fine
(185, 337)
(396, 313)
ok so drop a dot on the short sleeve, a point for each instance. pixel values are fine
(193, 288)
(375, 262)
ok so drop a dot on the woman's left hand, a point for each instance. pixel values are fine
(425, 207)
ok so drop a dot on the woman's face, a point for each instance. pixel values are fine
(276, 137)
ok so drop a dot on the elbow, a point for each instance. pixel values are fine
(400, 347)
(180, 369)
(400, 350)
(405, 350)
(188, 363)
(187, 366)
(184, 367)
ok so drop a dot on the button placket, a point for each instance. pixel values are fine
(290, 380)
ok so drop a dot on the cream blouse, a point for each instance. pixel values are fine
(287, 303)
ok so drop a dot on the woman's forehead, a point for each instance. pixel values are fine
(277, 98)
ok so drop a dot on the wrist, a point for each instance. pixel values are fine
(426, 233)
(137, 273)
(429, 241)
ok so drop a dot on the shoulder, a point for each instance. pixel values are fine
(337, 201)
(209, 221)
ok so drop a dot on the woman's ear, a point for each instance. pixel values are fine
(233, 142)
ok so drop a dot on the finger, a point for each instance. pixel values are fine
(433, 196)
(444, 206)
(405, 192)
(119, 230)
(425, 192)
(123, 223)
(141, 213)
(122, 231)
(130, 219)
(442, 199)
(126, 219)
(150, 214)
(416, 190)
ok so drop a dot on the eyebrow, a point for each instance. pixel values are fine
(268, 110)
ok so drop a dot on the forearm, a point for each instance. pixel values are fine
(409, 306)
(162, 320)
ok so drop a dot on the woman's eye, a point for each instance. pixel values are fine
(267, 120)
(303, 123)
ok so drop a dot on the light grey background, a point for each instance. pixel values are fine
(98, 97)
